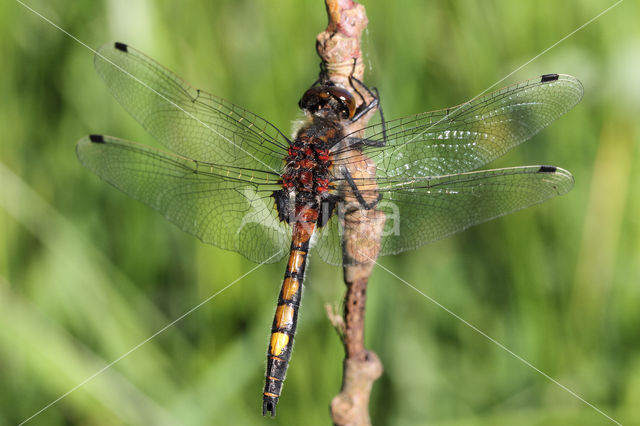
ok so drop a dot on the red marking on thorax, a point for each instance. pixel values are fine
(323, 155)
(308, 162)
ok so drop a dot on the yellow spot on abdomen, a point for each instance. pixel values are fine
(284, 316)
(279, 341)
(296, 259)
(290, 287)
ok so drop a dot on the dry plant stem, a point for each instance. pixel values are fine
(339, 48)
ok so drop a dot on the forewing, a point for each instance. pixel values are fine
(225, 206)
(423, 210)
(464, 138)
(188, 121)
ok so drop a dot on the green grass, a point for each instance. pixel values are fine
(87, 273)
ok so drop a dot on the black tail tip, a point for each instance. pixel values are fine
(121, 46)
(96, 138)
(269, 405)
(549, 77)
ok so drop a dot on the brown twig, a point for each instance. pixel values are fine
(339, 48)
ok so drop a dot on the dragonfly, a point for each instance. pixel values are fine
(234, 180)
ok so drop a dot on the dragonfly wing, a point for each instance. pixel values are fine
(225, 206)
(327, 241)
(423, 210)
(464, 138)
(188, 121)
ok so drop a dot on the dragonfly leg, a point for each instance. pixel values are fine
(358, 194)
(355, 89)
(366, 107)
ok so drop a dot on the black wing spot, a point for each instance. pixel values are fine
(96, 138)
(549, 77)
(547, 169)
(121, 46)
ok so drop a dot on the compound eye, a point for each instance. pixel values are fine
(351, 105)
(346, 100)
(313, 99)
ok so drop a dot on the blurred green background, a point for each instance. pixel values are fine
(86, 273)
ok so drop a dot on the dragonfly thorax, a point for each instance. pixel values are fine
(308, 159)
(306, 176)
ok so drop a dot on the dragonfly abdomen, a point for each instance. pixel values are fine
(286, 317)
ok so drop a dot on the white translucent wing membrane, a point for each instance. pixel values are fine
(188, 121)
(468, 136)
(229, 207)
(227, 162)
(427, 209)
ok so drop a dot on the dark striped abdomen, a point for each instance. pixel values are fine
(286, 317)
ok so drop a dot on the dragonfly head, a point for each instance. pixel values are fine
(327, 101)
